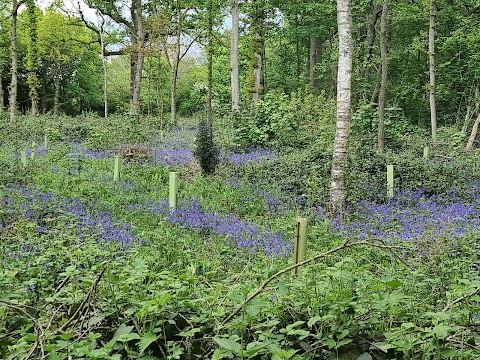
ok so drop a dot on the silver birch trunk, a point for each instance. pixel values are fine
(210, 64)
(14, 80)
(234, 74)
(101, 34)
(338, 189)
(383, 78)
(431, 52)
(138, 20)
(258, 52)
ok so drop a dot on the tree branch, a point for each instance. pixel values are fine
(262, 287)
(113, 15)
(188, 48)
(456, 301)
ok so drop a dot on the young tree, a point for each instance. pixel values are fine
(32, 55)
(174, 26)
(315, 54)
(431, 52)
(258, 33)
(100, 30)
(5, 57)
(338, 193)
(14, 81)
(234, 73)
(68, 62)
(134, 25)
(383, 78)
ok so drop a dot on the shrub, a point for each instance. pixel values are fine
(206, 150)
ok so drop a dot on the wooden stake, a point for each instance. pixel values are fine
(426, 152)
(23, 157)
(300, 244)
(45, 141)
(34, 151)
(390, 180)
(117, 166)
(173, 190)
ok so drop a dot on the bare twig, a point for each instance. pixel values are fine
(62, 284)
(262, 287)
(82, 305)
(38, 325)
(462, 343)
(456, 301)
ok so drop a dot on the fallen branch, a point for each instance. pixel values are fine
(83, 303)
(262, 287)
(38, 326)
(456, 301)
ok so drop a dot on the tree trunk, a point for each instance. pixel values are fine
(431, 51)
(383, 81)
(32, 56)
(101, 34)
(466, 122)
(371, 35)
(56, 96)
(473, 134)
(173, 91)
(314, 58)
(2, 100)
(159, 92)
(174, 68)
(34, 93)
(133, 69)
(258, 51)
(14, 80)
(234, 74)
(376, 89)
(210, 64)
(138, 70)
(338, 191)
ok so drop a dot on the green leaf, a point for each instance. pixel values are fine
(281, 354)
(190, 333)
(343, 342)
(229, 345)
(129, 337)
(301, 333)
(442, 331)
(145, 341)
(254, 348)
(294, 325)
(313, 321)
(383, 346)
(342, 334)
(220, 354)
(330, 343)
(394, 283)
(450, 353)
(121, 331)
